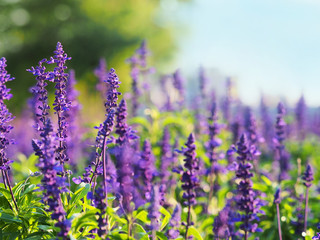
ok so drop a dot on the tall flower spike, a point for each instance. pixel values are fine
(72, 117)
(61, 105)
(203, 80)
(122, 129)
(308, 178)
(52, 184)
(5, 128)
(165, 164)
(147, 169)
(125, 177)
(300, 113)
(175, 222)
(40, 101)
(178, 84)
(189, 178)
(281, 154)
(112, 95)
(221, 224)
(101, 74)
(5, 116)
(267, 127)
(247, 200)
(154, 214)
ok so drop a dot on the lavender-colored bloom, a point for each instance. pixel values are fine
(277, 199)
(308, 176)
(221, 224)
(40, 95)
(299, 222)
(267, 127)
(281, 154)
(175, 221)
(250, 125)
(61, 105)
(203, 80)
(125, 177)
(178, 82)
(168, 104)
(247, 200)
(317, 236)
(300, 113)
(143, 52)
(112, 94)
(137, 61)
(74, 150)
(154, 214)
(99, 203)
(214, 129)
(147, 169)
(226, 101)
(52, 185)
(122, 129)
(189, 177)
(235, 129)
(5, 116)
(101, 74)
(165, 164)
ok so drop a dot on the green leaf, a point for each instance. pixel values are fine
(9, 218)
(194, 232)
(140, 231)
(266, 180)
(142, 215)
(84, 219)
(161, 236)
(30, 188)
(166, 218)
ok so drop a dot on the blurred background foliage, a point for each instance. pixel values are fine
(88, 30)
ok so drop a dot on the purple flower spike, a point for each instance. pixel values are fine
(300, 113)
(74, 150)
(281, 154)
(113, 85)
(165, 165)
(247, 200)
(99, 202)
(125, 177)
(221, 224)
(122, 129)
(175, 222)
(189, 179)
(147, 169)
(277, 199)
(154, 208)
(61, 105)
(178, 82)
(101, 74)
(5, 115)
(308, 176)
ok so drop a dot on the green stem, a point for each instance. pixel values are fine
(279, 224)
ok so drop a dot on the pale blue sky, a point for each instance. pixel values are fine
(269, 46)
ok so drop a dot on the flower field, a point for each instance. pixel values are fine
(212, 169)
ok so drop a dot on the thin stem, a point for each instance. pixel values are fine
(14, 200)
(245, 234)
(306, 211)
(279, 223)
(4, 180)
(129, 228)
(188, 220)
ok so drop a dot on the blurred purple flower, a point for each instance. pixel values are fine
(5, 116)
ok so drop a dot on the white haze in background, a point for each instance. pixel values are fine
(268, 46)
